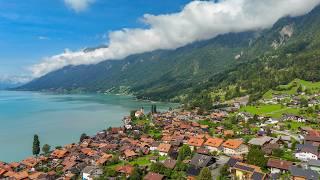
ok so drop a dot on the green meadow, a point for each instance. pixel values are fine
(274, 110)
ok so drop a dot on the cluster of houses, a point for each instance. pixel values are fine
(86, 159)
(294, 100)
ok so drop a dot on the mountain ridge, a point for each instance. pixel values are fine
(191, 72)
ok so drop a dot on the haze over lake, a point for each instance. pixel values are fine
(58, 119)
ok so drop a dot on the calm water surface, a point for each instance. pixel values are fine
(57, 119)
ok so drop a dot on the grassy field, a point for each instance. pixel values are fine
(292, 87)
(275, 111)
(294, 125)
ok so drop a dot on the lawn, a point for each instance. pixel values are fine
(308, 84)
(291, 89)
(273, 110)
(141, 161)
(289, 156)
(294, 125)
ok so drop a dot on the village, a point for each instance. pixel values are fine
(229, 142)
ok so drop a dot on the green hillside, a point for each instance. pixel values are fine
(228, 66)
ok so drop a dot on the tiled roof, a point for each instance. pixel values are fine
(164, 147)
(214, 142)
(153, 176)
(170, 163)
(279, 164)
(129, 153)
(195, 142)
(306, 173)
(232, 143)
(58, 153)
(200, 160)
(260, 141)
(127, 169)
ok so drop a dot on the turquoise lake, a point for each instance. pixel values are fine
(58, 119)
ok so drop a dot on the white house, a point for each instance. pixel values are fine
(307, 152)
(271, 121)
(306, 156)
(154, 146)
(164, 149)
(234, 147)
(278, 166)
(213, 144)
(91, 172)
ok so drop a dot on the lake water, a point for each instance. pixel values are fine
(58, 119)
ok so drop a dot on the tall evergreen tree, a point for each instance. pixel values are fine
(36, 145)
(154, 108)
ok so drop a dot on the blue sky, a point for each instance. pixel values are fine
(33, 29)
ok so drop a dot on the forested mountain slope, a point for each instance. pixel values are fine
(229, 65)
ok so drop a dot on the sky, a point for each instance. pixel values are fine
(31, 30)
(40, 36)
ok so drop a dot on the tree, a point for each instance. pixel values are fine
(184, 152)
(237, 92)
(132, 114)
(153, 109)
(136, 174)
(310, 110)
(36, 145)
(83, 137)
(205, 174)
(217, 98)
(46, 149)
(268, 131)
(278, 153)
(179, 175)
(300, 89)
(224, 171)
(110, 172)
(294, 145)
(160, 168)
(303, 102)
(256, 157)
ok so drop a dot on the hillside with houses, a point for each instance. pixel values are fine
(277, 137)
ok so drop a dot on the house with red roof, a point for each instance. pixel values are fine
(195, 142)
(213, 144)
(234, 147)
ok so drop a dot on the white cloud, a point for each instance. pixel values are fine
(78, 5)
(199, 20)
(43, 38)
(12, 79)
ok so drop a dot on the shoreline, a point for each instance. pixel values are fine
(110, 112)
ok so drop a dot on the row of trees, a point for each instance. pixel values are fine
(46, 147)
(36, 146)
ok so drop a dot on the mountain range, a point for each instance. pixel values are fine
(229, 66)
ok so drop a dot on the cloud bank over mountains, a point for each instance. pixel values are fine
(198, 20)
(18, 79)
